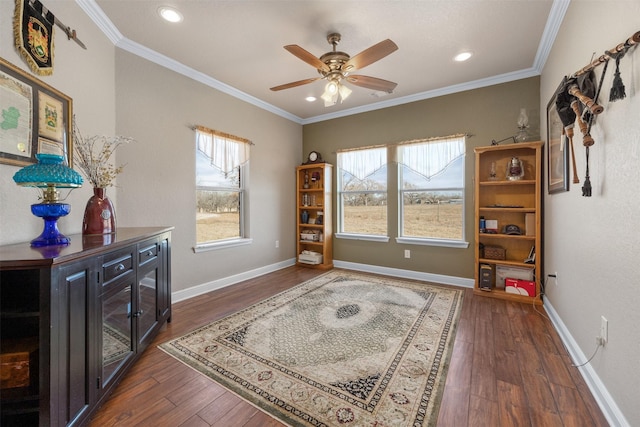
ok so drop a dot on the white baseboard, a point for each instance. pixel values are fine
(407, 274)
(600, 393)
(194, 291)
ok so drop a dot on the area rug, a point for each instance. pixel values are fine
(115, 345)
(342, 349)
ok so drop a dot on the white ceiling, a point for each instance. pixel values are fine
(237, 45)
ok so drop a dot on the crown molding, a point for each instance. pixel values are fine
(489, 81)
(551, 28)
(556, 16)
(95, 13)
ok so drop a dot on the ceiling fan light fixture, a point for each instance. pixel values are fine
(331, 87)
(334, 67)
(344, 92)
(170, 14)
(329, 98)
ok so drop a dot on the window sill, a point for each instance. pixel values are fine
(368, 237)
(433, 242)
(224, 244)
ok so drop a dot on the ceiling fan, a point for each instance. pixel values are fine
(336, 66)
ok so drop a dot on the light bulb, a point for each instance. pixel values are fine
(170, 14)
(344, 92)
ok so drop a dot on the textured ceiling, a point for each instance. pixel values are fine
(237, 46)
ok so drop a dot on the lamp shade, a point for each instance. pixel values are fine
(49, 171)
(48, 174)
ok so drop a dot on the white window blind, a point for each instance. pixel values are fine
(362, 163)
(226, 152)
(431, 157)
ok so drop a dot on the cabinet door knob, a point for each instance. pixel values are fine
(150, 253)
(120, 267)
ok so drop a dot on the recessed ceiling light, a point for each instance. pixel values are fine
(461, 57)
(170, 14)
(310, 98)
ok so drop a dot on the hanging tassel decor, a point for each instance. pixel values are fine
(617, 90)
(586, 188)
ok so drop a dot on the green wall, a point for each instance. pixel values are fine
(486, 113)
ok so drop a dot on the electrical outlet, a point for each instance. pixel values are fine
(604, 330)
(277, 243)
(407, 253)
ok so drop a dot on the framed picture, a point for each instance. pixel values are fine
(557, 151)
(35, 118)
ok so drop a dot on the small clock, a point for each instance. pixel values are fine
(314, 157)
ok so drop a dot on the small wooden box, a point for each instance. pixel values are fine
(495, 252)
(18, 363)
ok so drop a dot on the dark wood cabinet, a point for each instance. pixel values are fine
(77, 317)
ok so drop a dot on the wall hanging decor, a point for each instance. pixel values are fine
(33, 33)
(35, 119)
(576, 100)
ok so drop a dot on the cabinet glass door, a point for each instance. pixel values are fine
(117, 327)
(147, 303)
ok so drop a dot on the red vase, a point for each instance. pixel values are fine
(99, 215)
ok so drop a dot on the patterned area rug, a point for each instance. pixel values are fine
(342, 349)
(115, 345)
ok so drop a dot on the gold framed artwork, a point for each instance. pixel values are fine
(557, 151)
(34, 118)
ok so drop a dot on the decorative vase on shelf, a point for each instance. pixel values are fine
(99, 215)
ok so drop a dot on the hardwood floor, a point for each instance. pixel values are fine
(508, 368)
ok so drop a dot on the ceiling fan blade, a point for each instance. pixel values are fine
(307, 57)
(370, 55)
(294, 84)
(372, 83)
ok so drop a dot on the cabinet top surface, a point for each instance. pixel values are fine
(517, 145)
(315, 165)
(23, 255)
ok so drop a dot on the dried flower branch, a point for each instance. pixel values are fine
(92, 156)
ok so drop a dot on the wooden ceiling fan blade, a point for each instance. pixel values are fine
(294, 84)
(307, 57)
(372, 83)
(370, 55)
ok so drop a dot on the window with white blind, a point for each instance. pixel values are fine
(221, 188)
(362, 193)
(431, 189)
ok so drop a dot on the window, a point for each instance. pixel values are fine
(431, 189)
(221, 185)
(362, 193)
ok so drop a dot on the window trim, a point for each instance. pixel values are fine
(368, 237)
(423, 241)
(222, 244)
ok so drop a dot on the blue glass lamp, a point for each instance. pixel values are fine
(48, 174)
